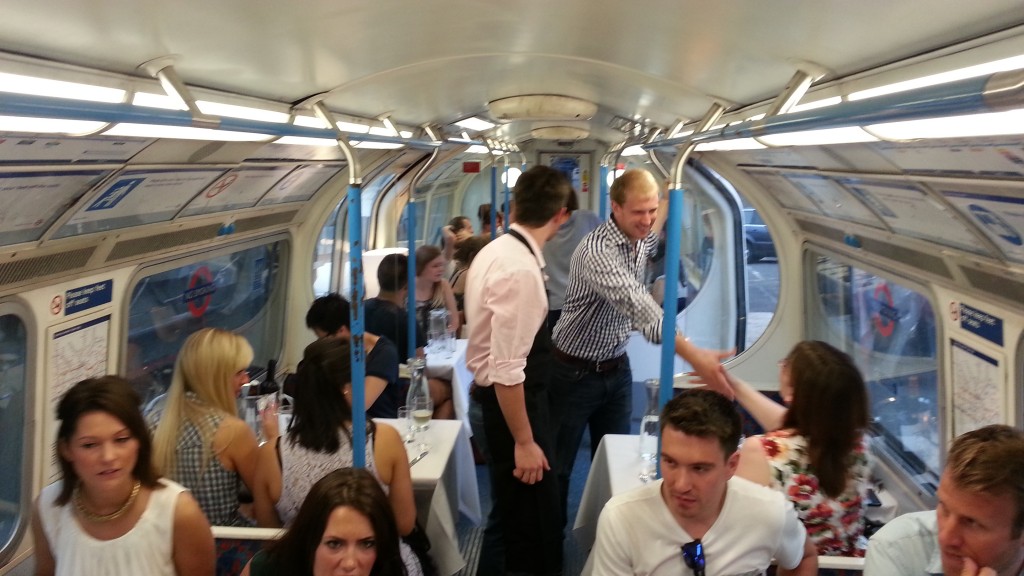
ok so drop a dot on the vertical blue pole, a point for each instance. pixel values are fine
(411, 305)
(494, 199)
(508, 216)
(603, 193)
(673, 236)
(356, 325)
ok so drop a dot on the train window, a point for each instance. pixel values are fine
(327, 245)
(13, 390)
(238, 289)
(889, 330)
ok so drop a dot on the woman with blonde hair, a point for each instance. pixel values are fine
(434, 292)
(200, 441)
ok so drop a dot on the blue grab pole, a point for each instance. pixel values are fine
(356, 326)
(494, 201)
(411, 306)
(603, 193)
(673, 236)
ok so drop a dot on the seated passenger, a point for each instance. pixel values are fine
(464, 254)
(199, 440)
(111, 513)
(433, 292)
(319, 440)
(978, 528)
(818, 458)
(329, 316)
(386, 314)
(699, 514)
(345, 525)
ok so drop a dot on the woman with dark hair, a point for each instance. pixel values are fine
(454, 233)
(319, 440)
(344, 524)
(815, 452)
(111, 513)
(464, 254)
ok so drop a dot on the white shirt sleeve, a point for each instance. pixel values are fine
(611, 554)
(791, 545)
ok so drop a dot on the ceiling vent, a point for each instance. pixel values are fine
(559, 133)
(541, 107)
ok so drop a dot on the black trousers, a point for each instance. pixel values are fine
(529, 513)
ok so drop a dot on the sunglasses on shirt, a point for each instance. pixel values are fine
(693, 556)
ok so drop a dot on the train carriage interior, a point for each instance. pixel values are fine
(851, 172)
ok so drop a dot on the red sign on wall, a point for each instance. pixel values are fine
(470, 167)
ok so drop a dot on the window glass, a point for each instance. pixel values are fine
(327, 245)
(241, 291)
(889, 330)
(13, 363)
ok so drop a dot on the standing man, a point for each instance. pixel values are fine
(700, 515)
(558, 253)
(509, 354)
(605, 300)
(978, 527)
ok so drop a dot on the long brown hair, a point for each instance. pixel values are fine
(111, 395)
(829, 408)
(352, 487)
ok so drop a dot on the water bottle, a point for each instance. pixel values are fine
(437, 330)
(418, 399)
(650, 424)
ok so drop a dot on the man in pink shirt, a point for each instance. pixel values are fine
(509, 354)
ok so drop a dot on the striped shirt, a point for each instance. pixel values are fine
(606, 297)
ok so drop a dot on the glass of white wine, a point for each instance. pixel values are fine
(422, 409)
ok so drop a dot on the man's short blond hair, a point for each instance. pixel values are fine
(990, 460)
(633, 180)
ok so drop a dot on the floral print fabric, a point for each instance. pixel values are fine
(836, 526)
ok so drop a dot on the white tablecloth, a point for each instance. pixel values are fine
(453, 367)
(615, 469)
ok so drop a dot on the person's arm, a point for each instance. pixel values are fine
(381, 362)
(706, 363)
(194, 550)
(530, 460)
(267, 489)
(449, 302)
(389, 453)
(245, 571)
(754, 463)
(808, 565)
(45, 563)
(448, 240)
(239, 449)
(768, 413)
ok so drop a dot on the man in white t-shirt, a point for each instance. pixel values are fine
(699, 519)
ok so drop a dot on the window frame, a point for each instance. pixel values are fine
(19, 310)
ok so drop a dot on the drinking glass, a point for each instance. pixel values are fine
(406, 427)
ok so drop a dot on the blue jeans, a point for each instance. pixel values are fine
(582, 398)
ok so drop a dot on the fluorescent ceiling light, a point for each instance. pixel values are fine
(405, 134)
(377, 145)
(755, 117)
(352, 127)
(736, 144)
(634, 150)
(970, 72)
(818, 137)
(309, 122)
(465, 135)
(59, 89)
(48, 125)
(162, 101)
(475, 124)
(183, 133)
(303, 141)
(246, 112)
(382, 131)
(816, 104)
(990, 124)
(477, 149)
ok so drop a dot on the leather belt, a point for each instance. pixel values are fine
(596, 366)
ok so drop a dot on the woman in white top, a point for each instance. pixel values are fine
(111, 513)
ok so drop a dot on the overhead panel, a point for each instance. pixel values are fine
(999, 216)
(790, 156)
(909, 210)
(832, 199)
(784, 192)
(19, 148)
(997, 156)
(300, 184)
(240, 188)
(136, 197)
(32, 201)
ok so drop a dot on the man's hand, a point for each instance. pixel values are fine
(971, 569)
(708, 366)
(530, 463)
(729, 391)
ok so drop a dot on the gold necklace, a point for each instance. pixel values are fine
(94, 517)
